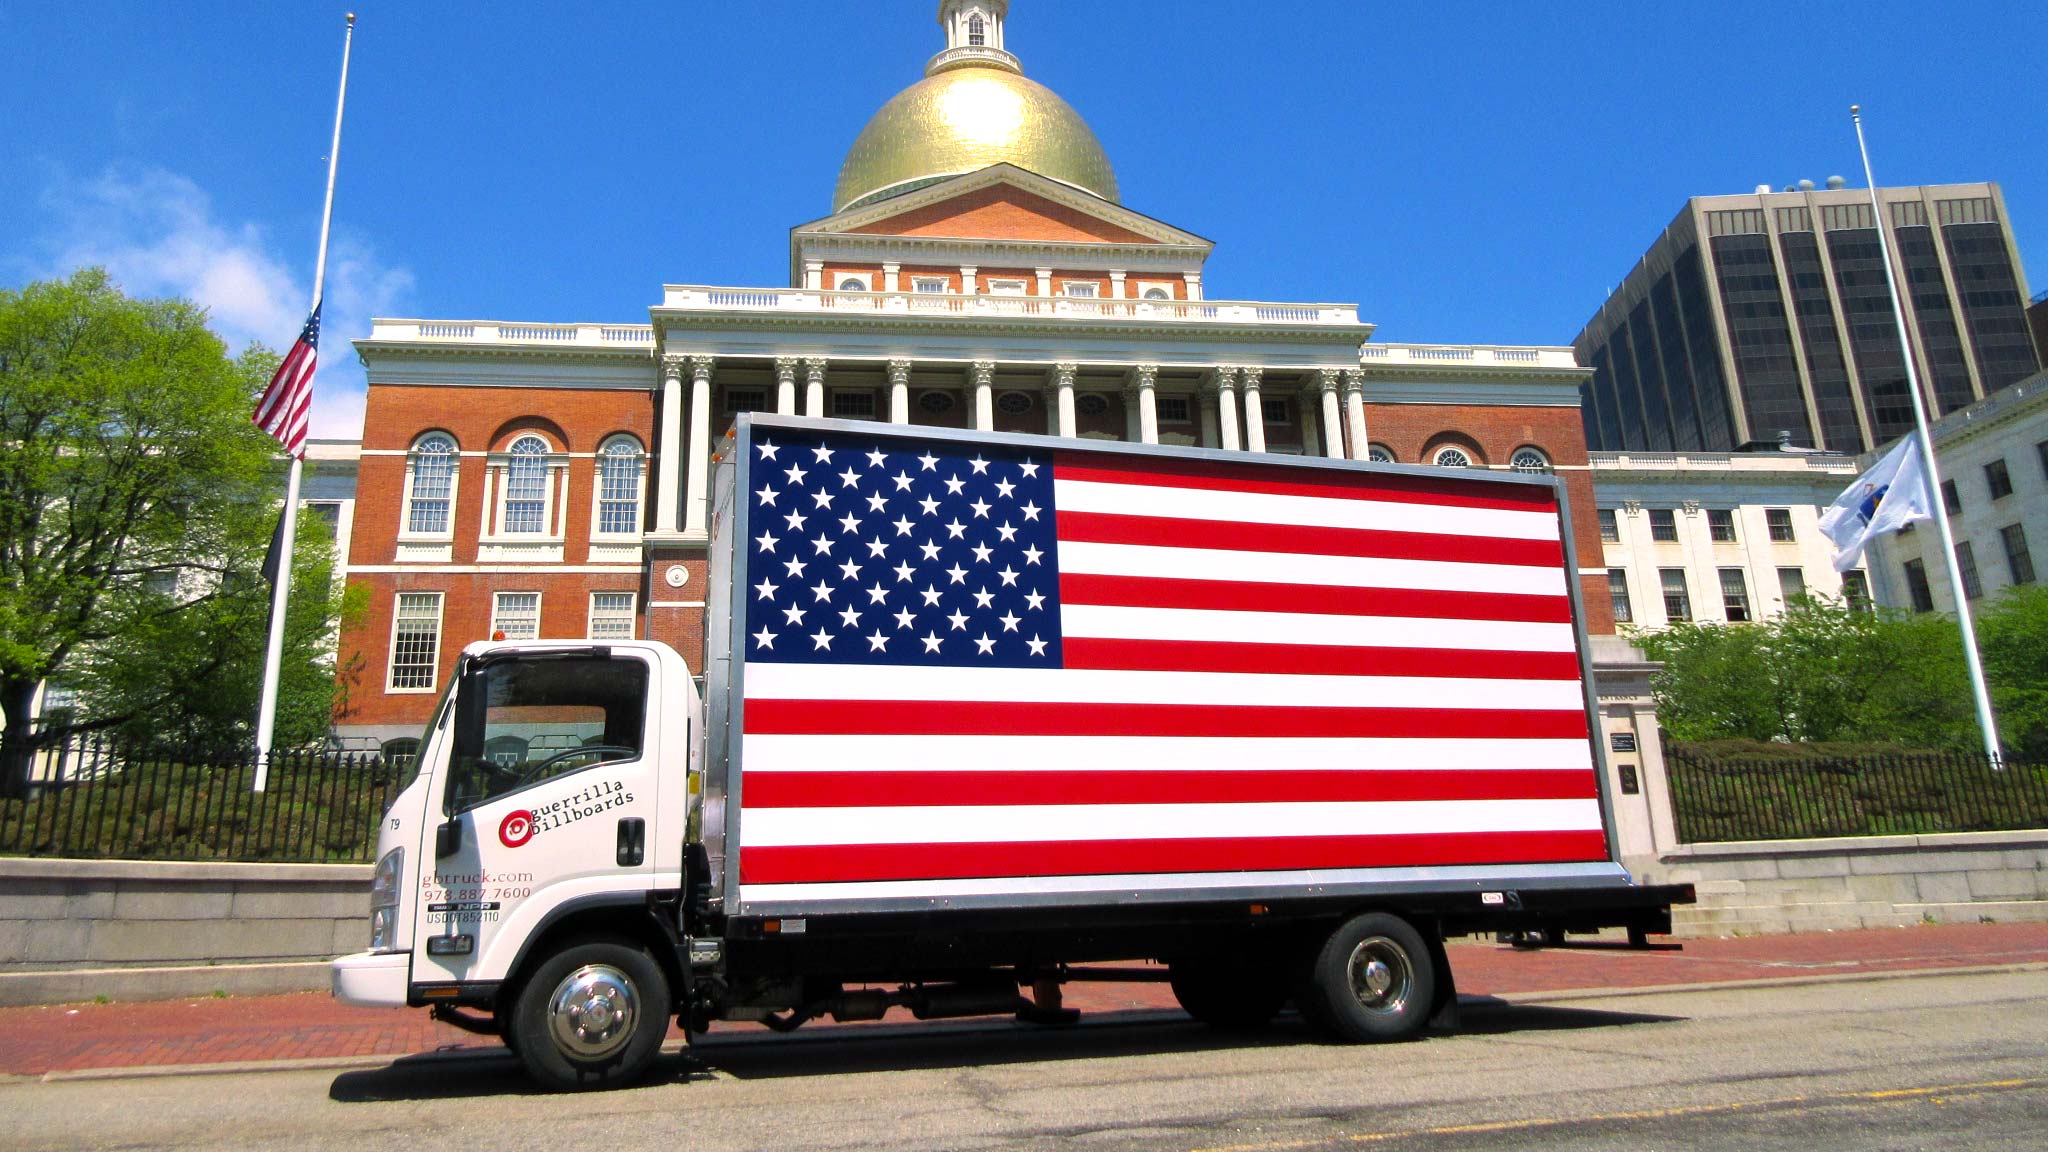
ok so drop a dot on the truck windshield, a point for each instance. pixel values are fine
(524, 720)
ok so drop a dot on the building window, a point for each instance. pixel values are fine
(1007, 287)
(526, 487)
(1617, 590)
(928, 284)
(1721, 525)
(1664, 525)
(515, 616)
(2017, 559)
(611, 615)
(977, 32)
(1529, 460)
(430, 486)
(1997, 479)
(1791, 583)
(2041, 452)
(415, 641)
(936, 403)
(327, 513)
(1610, 526)
(1916, 586)
(1079, 289)
(1173, 409)
(1951, 497)
(1779, 521)
(1677, 601)
(401, 752)
(1966, 567)
(1451, 458)
(1157, 293)
(1274, 410)
(1091, 404)
(853, 284)
(1379, 453)
(1014, 403)
(620, 467)
(1734, 595)
(853, 405)
(738, 400)
(1856, 589)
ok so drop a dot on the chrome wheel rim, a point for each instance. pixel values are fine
(592, 1013)
(1382, 979)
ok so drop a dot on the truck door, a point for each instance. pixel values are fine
(547, 800)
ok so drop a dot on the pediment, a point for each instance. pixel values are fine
(1005, 203)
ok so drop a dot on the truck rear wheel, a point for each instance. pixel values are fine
(1372, 980)
(591, 1016)
(1231, 996)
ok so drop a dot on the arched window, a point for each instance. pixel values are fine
(1158, 294)
(853, 284)
(977, 32)
(1092, 404)
(1379, 454)
(1451, 457)
(526, 486)
(430, 485)
(1528, 459)
(1014, 403)
(620, 465)
(936, 403)
(401, 752)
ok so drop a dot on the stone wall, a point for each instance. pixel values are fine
(77, 929)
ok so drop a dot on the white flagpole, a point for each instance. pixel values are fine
(273, 652)
(1930, 471)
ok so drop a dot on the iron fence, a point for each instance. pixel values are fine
(86, 797)
(1796, 798)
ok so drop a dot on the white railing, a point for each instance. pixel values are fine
(1736, 461)
(701, 298)
(493, 332)
(1465, 354)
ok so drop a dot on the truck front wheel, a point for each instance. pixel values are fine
(1372, 980)
(591, 1016)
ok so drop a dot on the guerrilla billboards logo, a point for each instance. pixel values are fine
(523, 825)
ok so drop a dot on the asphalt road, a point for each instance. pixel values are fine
(1947, 1062)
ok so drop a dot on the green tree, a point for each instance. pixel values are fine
(2013, 633)
(128, 461)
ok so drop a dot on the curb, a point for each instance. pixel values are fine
(486, 1054)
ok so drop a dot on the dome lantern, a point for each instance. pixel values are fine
(974, 108)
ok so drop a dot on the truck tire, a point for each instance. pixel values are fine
(591, 1016)
(1371, 981)
(1232, 997)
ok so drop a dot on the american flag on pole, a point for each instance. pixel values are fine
(975, 668)
(285, 409)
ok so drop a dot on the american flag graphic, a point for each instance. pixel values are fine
(973, 667)
(285, 410)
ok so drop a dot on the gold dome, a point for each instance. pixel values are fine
(964, 119)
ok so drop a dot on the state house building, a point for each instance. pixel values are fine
(979, 269)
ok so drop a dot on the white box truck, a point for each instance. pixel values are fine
(982, 713)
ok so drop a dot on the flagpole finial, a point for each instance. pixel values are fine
(1856, 110)
(351, 19)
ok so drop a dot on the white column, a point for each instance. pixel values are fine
(814, 274)
(1194, 283)
(785, 385)
(968, 274)
(1116, 283)
(983, 373)
(1045, 281)
(668, 478)
(1333, 423)
(1141, 383)
(889, 277)
(814, 386)
(1063, 383)
(1225, 382)
(899, 391)
(1254, 414)
(1311, 443)
(1354, 413)
(697, 511)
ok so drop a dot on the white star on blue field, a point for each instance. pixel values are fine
(874, 550)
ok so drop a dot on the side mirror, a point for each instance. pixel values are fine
(448, 838)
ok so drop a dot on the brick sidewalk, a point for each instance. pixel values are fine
(34, 1041)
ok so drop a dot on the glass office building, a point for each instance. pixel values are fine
(1764, 318)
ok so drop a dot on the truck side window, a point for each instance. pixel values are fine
(528, 719)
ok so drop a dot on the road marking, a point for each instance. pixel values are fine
(1889, 1095)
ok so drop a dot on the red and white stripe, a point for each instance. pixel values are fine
(285, 410)
(1263, 673)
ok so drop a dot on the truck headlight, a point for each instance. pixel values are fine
(384, 890)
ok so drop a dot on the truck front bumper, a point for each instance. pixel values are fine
(371, 979)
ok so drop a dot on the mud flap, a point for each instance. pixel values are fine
(1444, 1012)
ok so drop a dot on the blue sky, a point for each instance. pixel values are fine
(1464, 172)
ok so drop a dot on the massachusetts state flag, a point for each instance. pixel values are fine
(975, 668)
(1885, 499)
(285, 409)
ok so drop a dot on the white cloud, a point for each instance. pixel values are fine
(157, 234)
